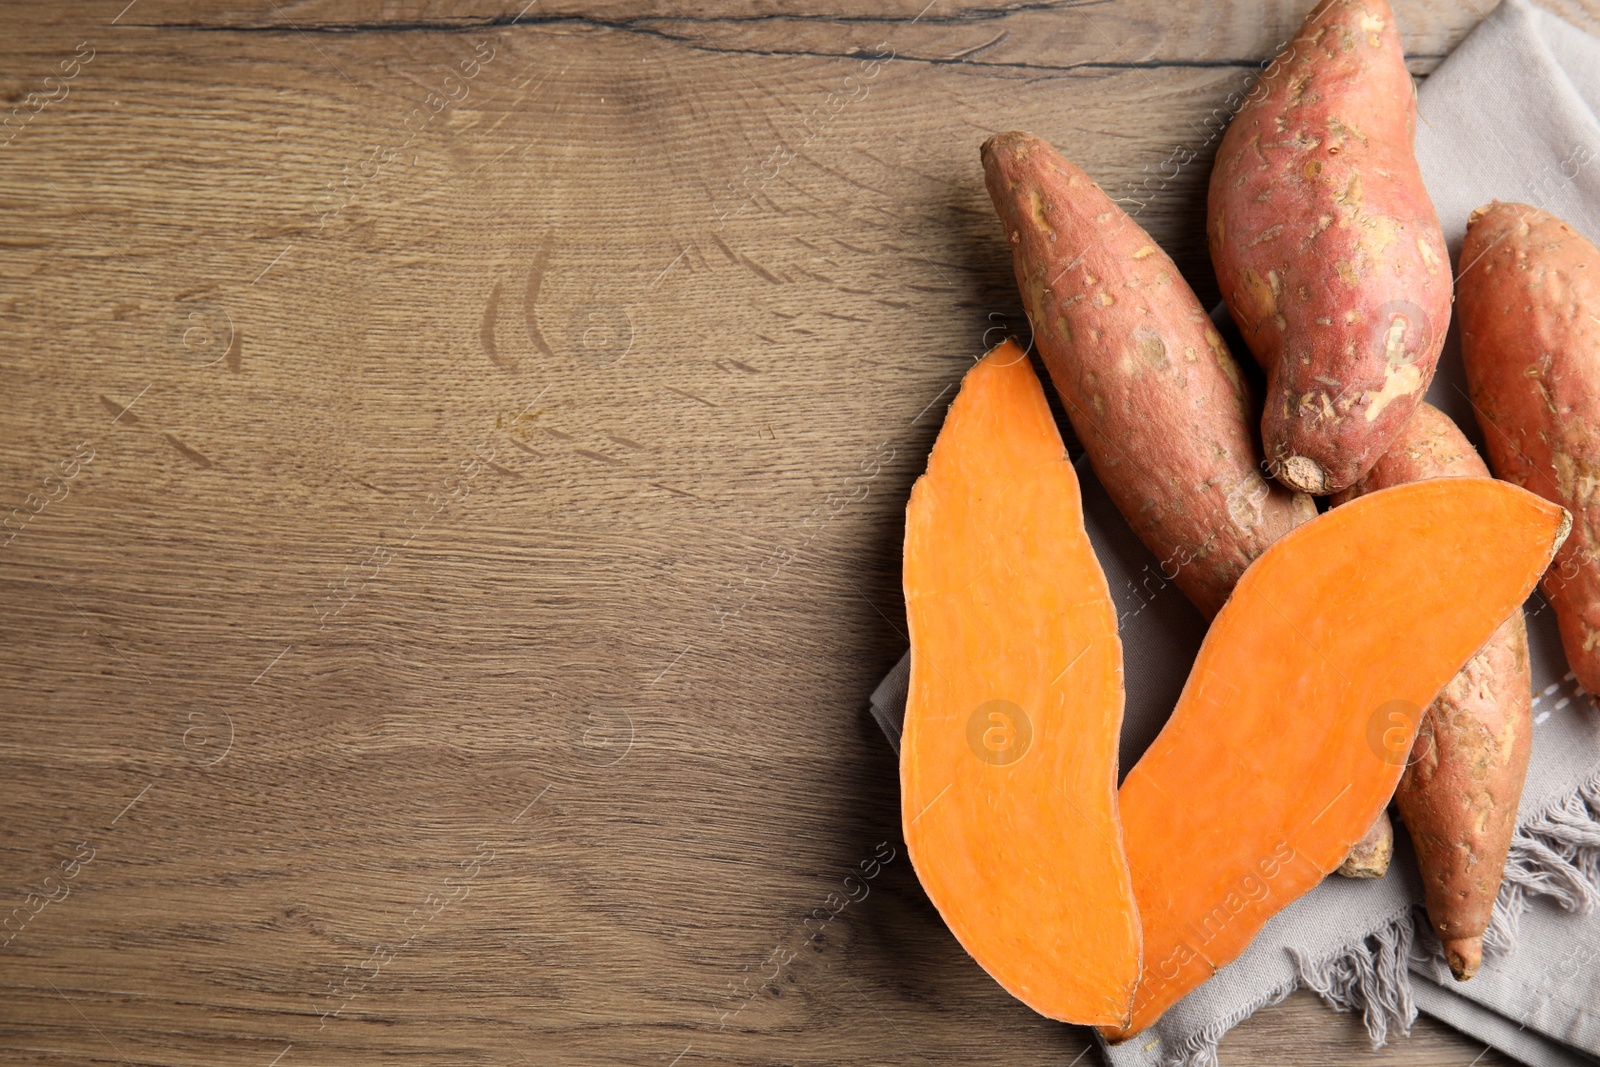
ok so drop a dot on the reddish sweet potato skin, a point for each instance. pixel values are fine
(1529, 294)
(1459, 793)
(1327, 248)
(1151, 389)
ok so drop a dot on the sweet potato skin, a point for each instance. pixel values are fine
(1459, 793)
(1529, 295)
(1149, 385)
(1327, 248)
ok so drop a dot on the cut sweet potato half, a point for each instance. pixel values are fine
(1294, 725)
(1008, 765)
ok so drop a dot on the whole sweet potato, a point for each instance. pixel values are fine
(1530, 336)
(1458, 796)
(1152, 391)
(1327, 248)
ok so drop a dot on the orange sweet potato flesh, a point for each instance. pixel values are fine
(1292, 729)
(1327, 248)
(1008, 765)
(1459, 793)
(1529, 307)
(1151, 389)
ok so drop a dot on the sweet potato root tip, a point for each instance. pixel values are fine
(1464, 956)
(1371, 855)
(1304, 475)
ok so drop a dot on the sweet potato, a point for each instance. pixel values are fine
(1529, 295)
(1151, 389)
(1008, 762)
(1354, 621)
(1327, 247)
(1458, 796)
(1369, 857)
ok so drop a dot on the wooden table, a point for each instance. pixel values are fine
(459, 452)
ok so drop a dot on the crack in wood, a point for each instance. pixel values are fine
(651, 26)
(465, 25)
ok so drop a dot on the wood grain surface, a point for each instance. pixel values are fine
(458, 453)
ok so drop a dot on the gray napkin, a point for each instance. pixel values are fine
(1508, 115)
